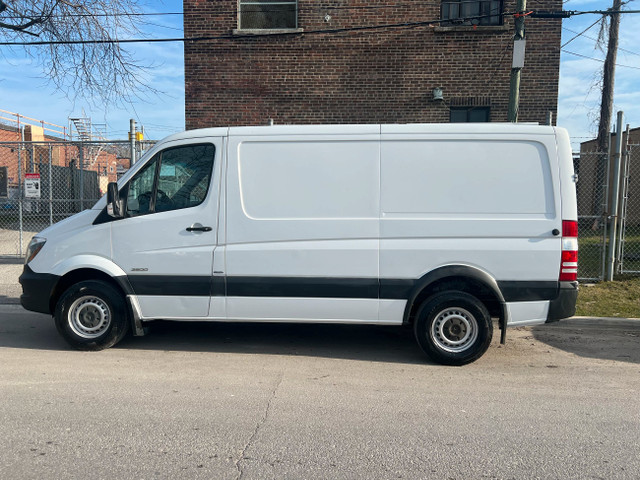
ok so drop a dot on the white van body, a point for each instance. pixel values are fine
(331, 224)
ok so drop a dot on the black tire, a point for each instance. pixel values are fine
(92, 315)
(453, 328)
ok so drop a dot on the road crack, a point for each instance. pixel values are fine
(259, 424)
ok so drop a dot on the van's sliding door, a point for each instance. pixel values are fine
(303, 227)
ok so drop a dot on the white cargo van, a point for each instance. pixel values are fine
(441, 227)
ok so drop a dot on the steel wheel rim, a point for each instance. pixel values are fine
(89, 317)
(454, 330)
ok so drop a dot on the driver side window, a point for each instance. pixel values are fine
(174, 178)
(140, 191)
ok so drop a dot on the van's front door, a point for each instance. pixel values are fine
(167, 239)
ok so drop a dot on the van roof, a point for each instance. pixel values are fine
(369, 129)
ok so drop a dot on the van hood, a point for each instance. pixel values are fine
(70, 225)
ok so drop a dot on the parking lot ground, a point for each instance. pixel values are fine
(317, 401)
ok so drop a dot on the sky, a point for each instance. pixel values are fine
(24, 91)
(580, 78)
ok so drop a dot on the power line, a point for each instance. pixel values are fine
(598, 59)
(81, 15)
(235, 11)
(239, 36)
(572, 13)
(534, 14)
(595, 40)
(601, 12)
(158, 25)
(580, 34)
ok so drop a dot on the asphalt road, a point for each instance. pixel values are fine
(293, 401)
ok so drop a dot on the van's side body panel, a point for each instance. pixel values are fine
(567, 176)
(486, 200)
(302, 225)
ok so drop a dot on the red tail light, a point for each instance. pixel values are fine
(569, 259)
(569, 228)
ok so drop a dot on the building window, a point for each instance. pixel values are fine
(469, 114)
(465, 12)
(268, 14)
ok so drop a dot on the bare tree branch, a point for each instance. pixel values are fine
(105, 72)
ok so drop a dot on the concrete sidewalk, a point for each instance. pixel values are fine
(10, 290)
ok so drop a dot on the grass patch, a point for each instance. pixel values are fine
(620, 298)
(590, 254)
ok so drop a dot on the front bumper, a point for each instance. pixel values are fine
(36, 290)
(564, 305)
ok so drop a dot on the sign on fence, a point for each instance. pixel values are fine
(32, 185)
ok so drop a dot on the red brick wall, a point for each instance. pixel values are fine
(9, 134)
(384, 76)
(9, 153)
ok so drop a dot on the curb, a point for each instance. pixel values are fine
(602, 319)
(11, 261)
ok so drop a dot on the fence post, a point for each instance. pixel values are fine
(50, 186)
(604, 212)
(20, 198)
(81, 162)
(615, 193)
(623, 200)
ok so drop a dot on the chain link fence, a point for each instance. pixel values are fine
(592, 189)
(629, 250)
(42, 183)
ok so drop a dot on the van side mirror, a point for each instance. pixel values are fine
(113, 201)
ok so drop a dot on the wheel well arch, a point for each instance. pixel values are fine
(79, 275)
(457, 277)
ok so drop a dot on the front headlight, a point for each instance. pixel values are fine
(35, 245)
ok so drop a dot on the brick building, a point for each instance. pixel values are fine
(387, 75)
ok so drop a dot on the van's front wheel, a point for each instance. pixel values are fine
(91, 315)
(453, 328)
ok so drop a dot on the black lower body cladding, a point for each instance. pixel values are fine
(564, 305)
(36, 290)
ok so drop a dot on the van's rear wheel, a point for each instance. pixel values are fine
(91, 315)
(453, 328)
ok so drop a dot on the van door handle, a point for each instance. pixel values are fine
(197, 227)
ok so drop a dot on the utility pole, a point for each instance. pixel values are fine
(132, 141)
(518, 61)
(606, 105)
